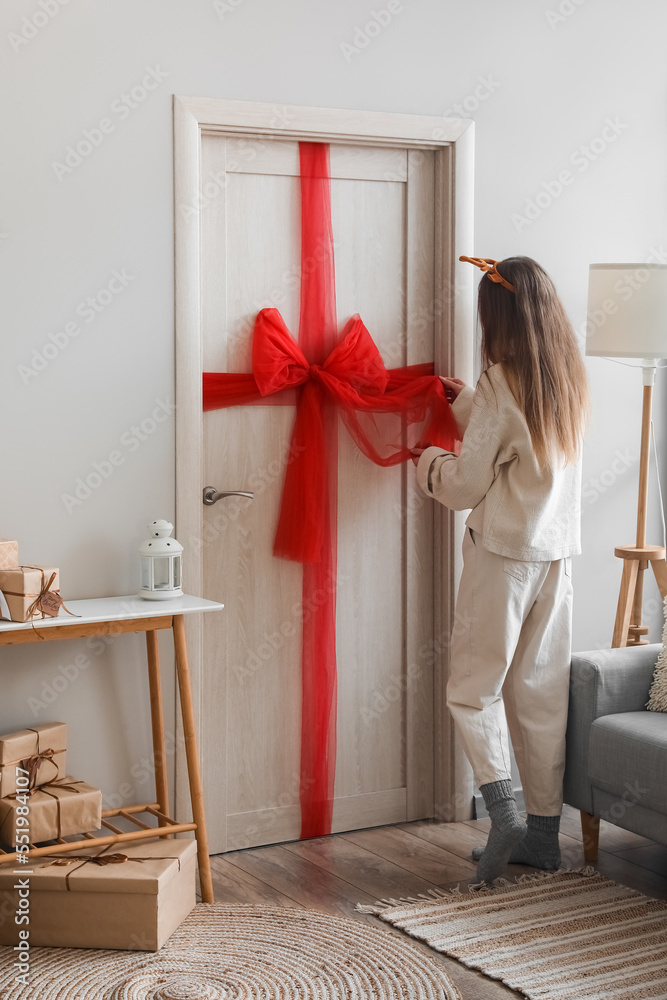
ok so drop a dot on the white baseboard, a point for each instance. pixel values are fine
(481, 810)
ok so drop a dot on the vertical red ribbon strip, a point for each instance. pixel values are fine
(317, 338)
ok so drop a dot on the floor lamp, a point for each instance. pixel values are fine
(627, 318)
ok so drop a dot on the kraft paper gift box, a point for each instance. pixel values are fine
(20, 749)
(9, 553)
(133, 905)
(22, 586)
(56, 810)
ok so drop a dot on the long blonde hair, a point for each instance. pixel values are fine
(530, 333)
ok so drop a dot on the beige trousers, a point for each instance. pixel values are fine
(511, 665)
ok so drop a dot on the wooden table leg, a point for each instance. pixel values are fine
(194, 776)
(157, 720)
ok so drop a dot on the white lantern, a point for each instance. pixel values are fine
(161, 571)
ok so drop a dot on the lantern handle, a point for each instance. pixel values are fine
(210, 495)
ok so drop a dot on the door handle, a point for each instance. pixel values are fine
(210, 495)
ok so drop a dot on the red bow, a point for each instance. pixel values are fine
(354, 364)
(353, 371)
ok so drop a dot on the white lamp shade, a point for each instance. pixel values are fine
(627, 311)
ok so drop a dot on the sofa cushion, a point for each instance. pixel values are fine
(627, 756)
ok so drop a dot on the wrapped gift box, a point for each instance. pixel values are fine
(56, 810)
(17, 748)
(134, 905)
(22, 585)
(9, 553)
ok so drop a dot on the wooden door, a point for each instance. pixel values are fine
(385, 234)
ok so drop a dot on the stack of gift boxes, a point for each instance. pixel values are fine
(26, 592)
(37, 797)
(126, 896)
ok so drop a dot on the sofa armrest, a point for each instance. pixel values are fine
(602, 682)
(607, 681)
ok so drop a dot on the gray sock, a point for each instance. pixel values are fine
(507, 829)
(539, 848)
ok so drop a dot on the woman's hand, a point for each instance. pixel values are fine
(452, 386)
(416, 454)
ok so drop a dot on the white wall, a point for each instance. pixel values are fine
(543, 91)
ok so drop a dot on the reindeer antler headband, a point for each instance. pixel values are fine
(488, 264)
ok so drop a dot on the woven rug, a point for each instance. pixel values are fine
(566, 936)
(238, 953)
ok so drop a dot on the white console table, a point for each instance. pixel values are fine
(113, 616)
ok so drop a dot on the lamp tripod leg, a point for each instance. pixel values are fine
(660, 573)
(628, 627)
(626, 602)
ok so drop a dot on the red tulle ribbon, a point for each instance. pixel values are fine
(381, 408)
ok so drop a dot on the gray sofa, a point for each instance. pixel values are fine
(616, 765)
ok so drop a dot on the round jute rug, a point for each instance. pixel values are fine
(240, 953)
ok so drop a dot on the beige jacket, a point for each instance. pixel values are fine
(520, 510)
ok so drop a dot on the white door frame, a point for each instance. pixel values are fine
(452, 141)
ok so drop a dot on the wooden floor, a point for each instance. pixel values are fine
(333, 874)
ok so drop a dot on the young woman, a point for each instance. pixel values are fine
(519, 471)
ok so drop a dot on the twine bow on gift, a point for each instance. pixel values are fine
(98, 859)
(60, 861)
(50, 784)
(33, 763)
(71, 785)
(47, 602)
